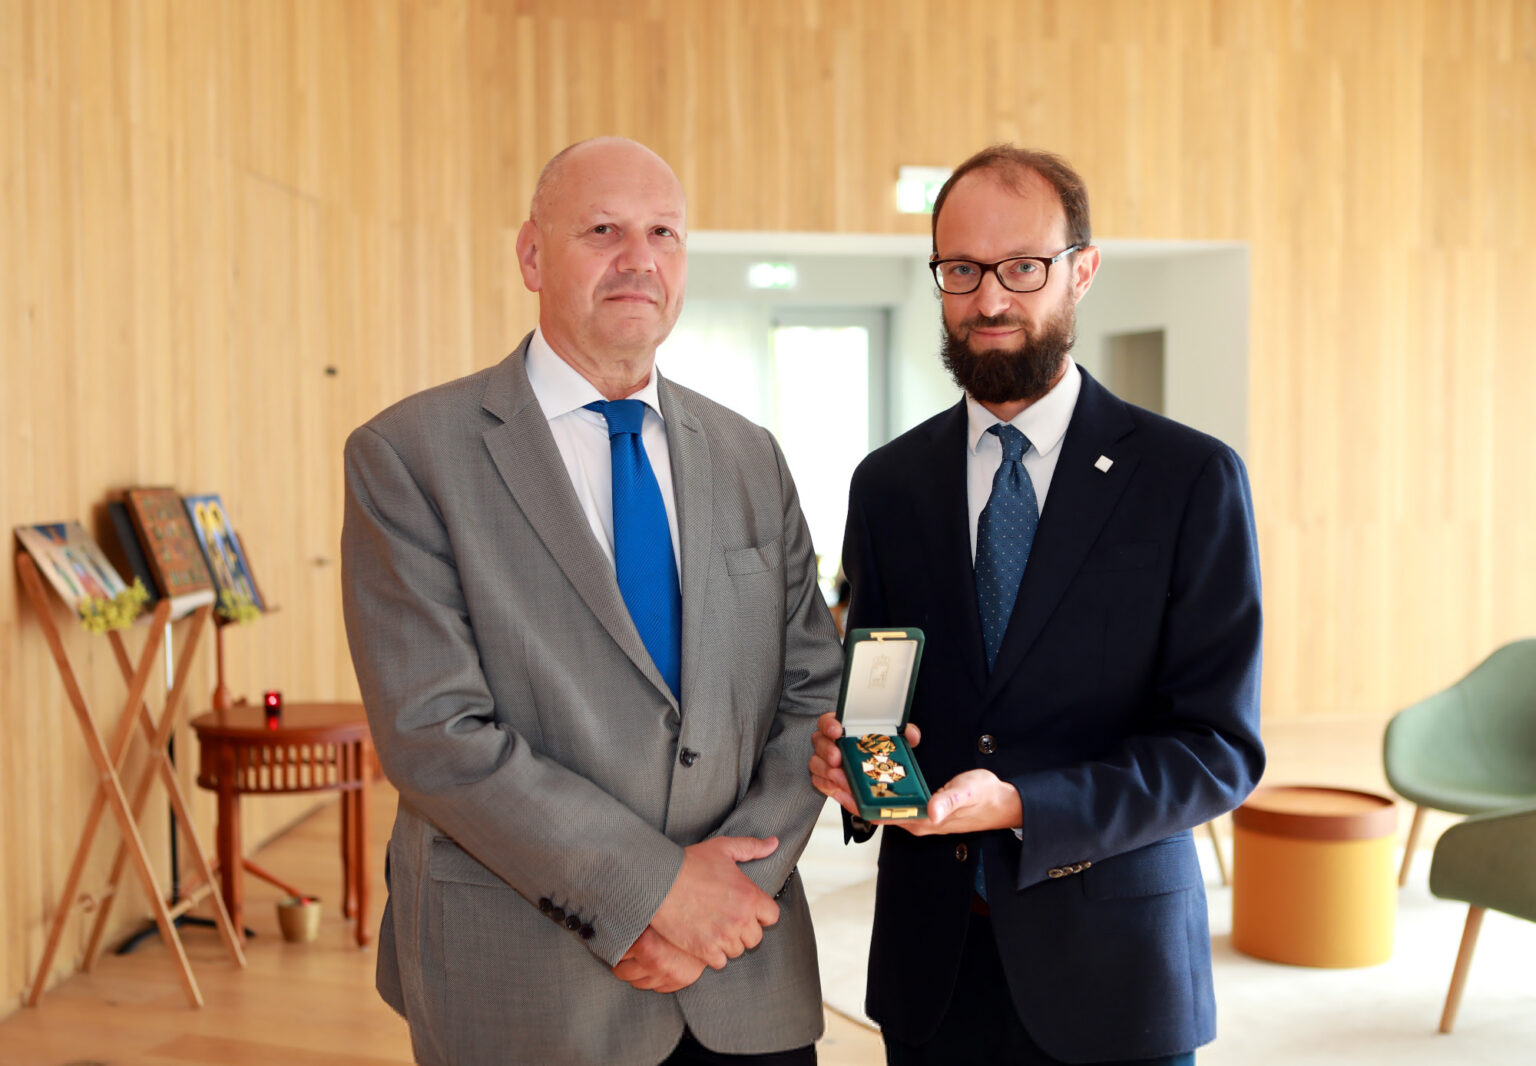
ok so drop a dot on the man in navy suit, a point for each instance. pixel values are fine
(1086, 573)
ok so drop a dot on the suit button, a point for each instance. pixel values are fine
(573, 923)
(960, 853)
(986, 745)
(587, 932)
(545, 906)
(688, 757)
(557, 913)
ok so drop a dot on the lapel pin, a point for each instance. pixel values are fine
(1104, 463)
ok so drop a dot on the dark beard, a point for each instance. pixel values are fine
(1027, 372)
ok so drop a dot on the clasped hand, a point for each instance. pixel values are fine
(970, 802)
(711, 915)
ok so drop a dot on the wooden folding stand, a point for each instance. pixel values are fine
(109, 792)
(158, 737)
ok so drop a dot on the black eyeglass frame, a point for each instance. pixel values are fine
(1046, 261)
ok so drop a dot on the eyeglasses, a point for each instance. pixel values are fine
(1022, 273)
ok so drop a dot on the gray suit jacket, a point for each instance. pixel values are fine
(546, 784)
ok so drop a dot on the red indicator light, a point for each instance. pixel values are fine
(274, 708)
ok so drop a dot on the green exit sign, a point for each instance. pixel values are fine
(918, 187)
(772, 275)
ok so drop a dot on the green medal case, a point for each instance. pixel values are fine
(879, 678)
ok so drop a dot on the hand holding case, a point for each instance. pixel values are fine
(879, 680)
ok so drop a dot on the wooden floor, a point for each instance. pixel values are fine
(313, 1004)
(293, 1005)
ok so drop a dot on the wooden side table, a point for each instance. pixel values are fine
(316, 747)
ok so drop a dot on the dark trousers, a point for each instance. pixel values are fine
(981, 1027)
(689, 1052)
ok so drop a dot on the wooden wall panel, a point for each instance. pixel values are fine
(231, 230)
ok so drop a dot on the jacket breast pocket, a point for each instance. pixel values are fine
(754, 560)
(1169, 865)
(453, 864)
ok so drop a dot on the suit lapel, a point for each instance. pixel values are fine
(950, 530)
(528, 460)
(1080, 500)
(693, 484)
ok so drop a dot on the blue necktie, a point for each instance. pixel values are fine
(642, 542)
(1004, 533)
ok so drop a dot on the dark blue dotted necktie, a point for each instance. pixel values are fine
(1004, 534)
(642, 541)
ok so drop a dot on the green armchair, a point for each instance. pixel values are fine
(1471, 748)
(1488, 861)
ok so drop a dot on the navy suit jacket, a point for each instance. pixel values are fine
(1124, 705)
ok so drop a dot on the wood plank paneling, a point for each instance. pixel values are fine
(230, 230)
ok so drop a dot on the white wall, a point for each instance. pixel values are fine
(835, 271)
(1195, 292)
(1198, 296)
(920, 386)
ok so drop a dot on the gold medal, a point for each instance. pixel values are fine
(884, 769)
(876, 744)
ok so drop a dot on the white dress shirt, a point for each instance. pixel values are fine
(1044, 422)
(582, 437)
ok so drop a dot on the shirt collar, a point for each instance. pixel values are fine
(560, 388)
(1044, 422)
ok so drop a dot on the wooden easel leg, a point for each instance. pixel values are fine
(67, 899)
(232, 937)
(160, 765)
(140, 858)
(139, 713)
(108, 786)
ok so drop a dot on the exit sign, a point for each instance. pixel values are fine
(772, 275)
(918, 187)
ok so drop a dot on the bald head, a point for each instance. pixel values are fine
(603, 153)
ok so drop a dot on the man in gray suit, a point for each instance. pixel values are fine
(583, 609)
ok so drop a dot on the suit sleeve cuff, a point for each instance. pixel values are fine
(855, 829)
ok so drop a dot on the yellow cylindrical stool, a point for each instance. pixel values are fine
(1313, 878)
